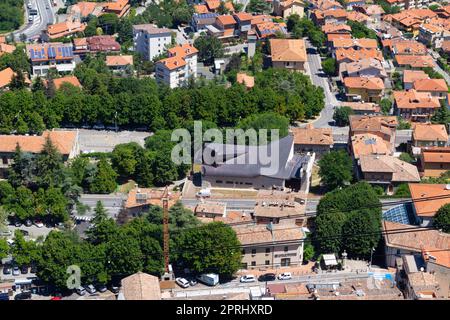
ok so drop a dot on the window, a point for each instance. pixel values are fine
(286, 248)
(267, 250)
(244, 266)
(219, 181)
(253, 263)
(5, 160)
(243, 251)
(267, 262)
(285, 262)
(253, 251)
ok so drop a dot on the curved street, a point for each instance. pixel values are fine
(44, 17)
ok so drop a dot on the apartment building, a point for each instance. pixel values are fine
(270, 246)
(179, 67)
(366, 89)
(151, 41)
(54, 55)
(288, 54)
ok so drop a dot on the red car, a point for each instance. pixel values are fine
(55, 298)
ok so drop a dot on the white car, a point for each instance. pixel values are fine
(285, 276)
(38, 224)
(247, 278)
(182, 282)
(16, 271)
(91, 289)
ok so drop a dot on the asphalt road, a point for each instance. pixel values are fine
(319, 79)
(45, 16)
(111, 202)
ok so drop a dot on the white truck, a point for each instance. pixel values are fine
(211, 279)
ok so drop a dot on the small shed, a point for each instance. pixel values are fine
(329, 260)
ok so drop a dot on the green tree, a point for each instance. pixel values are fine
(124, 159)
(406, 157)
(101, 214)
(341, 115)
(104, 180)
(24, 252)
(267, 121)
(335, 169)
(4, 248)
(213, 247)
(329, 66)
(442, 218)
(49, 165)
(359, 30)
(209, 48)
(258, 6)
(124, 254)
(385, 105)
(441, 116)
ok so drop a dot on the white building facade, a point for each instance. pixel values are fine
(151, 41)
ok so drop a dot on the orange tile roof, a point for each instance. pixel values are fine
(6, 48)
(412, 240)
(201, 8)
(182, 50)
(85, 8)
(65, 28)
(260, 19)
(408, 47)
(244, 16)
(357, 16)
(362, 106)
(80, 42)
(350, 54)
(427, 208)
(270, 28)
(63, 141)
(415, 61)
(117, 5)
(112, 61)
(359, 43)
(212, 4)
(6, 75)
(226, 19)
(434, 255)
(369, 83)
(335, 13)
(412, 99)
(439, 155)
(68, 79)
(288, 50)
(401, 170)
(313, 136)
(332, 36)
(367, 143)
(409, 76)
(369, 123)
(254, 234)
(430, 85)
(245, 79)
(336, 28)
(429, 132)
(150, 196)
(210, 207)
(432, 28)
(372, 9)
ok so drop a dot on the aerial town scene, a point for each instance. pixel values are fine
(224, 150)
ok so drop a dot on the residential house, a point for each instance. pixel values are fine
(413, 62)
(246, 80)
(358, 17)
(270, 29)
(6, 76)
(365, 89)
(270, 246)
(140, 286)
(438, 263)
(201, 9)
(336, 31)
(214, 5)
(241, 166)
(199, 22)
(65, 141)
(357, 44)
(118, 7)
(285, 8)
(210, 209)
(179, 67)
(278, 211)
(363, 68)
(139, 200)
(58, 82)
(337, 16)
(434, 161)
(83, 9)
(427, 199)
(326, 4)
(120, 64)
(406, 47)
(415, 106)
(288, 53)
(369, 144)
(354, 55)
(244, 22)
(104, 43)
(80, 46)
(63, 29)
(310, 139)
(350, 4)
(410, 76)
(386, 171)
(381, 126)
(6, 48)
(363, 108)
(429, 135)
(401, 239)
(433, 35)
(226, 24)
(372, 10)
(151, 41)
(436, 87)
(54, 55)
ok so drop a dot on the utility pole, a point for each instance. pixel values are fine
(165, 200)
(371, 255)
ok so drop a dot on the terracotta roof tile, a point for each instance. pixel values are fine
(439, 155)
(409, 76)
(288, 50)
(141, 286)
(68, 79)
(415, 61)
(125, 60)
(427, 208)
(429, 132)
(367, 143)
(412, 99)
(430, 85)
(249, 235)
(313, 136)
(369, 83)
(6, 75)
(401, 170)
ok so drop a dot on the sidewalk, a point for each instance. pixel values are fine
(296, 271)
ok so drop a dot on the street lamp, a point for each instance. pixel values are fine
(344, 258)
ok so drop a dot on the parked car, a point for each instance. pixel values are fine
(24, 269)
(6, 269)
(247, 278)
(211, 279)
(55, 298)
(28, 223)
(91, 289)
(30, 18)
(99, 127)
(267, 277)
(5, 233)
(115, 289)
(182, 282)
(33, 268)
(18, 224)
(101, 288)
(16, 271)
(23, 296)
(81, 291)
(38, 224)
(285, 276)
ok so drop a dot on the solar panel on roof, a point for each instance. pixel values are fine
(32, 54)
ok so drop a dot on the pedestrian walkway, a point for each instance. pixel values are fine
(294, 270)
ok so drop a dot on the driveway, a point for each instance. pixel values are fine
(319, 79)
(105, 141)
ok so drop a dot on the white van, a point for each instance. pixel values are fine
(211, 279)
(248, 278)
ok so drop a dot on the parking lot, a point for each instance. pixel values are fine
(105, 141)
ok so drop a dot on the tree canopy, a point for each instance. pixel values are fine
(335, 169)
(442, 218)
